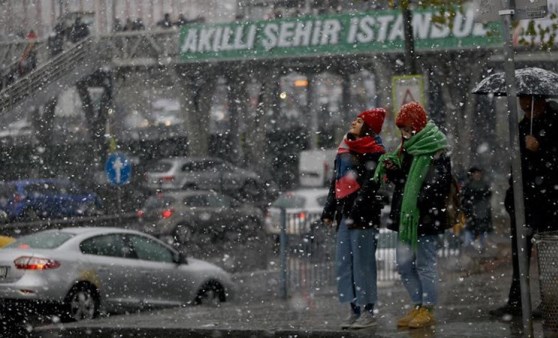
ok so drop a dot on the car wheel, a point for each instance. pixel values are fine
(211, 293)
(81, 303)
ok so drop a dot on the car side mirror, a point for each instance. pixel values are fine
(180, 258)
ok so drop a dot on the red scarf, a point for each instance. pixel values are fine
(345, 180)
(361, 145)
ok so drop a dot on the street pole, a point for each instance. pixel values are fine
(283, 254)
(312, 111)
(113, 16)
(520, 226)
(410, 60)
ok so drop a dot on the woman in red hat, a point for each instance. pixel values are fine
(420, 171)
(353, 204)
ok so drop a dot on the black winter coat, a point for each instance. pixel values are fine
(432, 199)
(539, 171)
(364, 205)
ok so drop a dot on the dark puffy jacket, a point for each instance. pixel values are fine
(539, 171)
(432, 199)
(364, 205)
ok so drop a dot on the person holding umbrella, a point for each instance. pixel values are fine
(538, 142)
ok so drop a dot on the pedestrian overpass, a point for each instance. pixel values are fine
(263, 52)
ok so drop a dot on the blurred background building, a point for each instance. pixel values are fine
(313, 99)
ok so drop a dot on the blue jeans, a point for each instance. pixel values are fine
(356, 265)
(418, 269)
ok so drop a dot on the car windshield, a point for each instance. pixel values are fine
(289, 200)
(159, 167)
(158, 202)
(41, 240)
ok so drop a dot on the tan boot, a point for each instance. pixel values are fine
(424, 318)
(404, 321)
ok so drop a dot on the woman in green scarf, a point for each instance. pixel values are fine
(420, 171)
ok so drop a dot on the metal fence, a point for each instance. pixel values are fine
(307, 253)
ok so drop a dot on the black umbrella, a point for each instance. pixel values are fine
(530, 81)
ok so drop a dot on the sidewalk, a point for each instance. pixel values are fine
(464, 301)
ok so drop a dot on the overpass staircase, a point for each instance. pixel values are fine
(55, 75)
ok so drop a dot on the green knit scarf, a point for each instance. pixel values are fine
(422, 147)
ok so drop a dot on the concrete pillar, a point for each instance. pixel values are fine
(254, 128)
(237, 99)
(195, 95)
(106, 109)
(43, 125)
(346, 106)
(383, 72)
(312, 112)
(257, 155)
(90, 115)
(467, 132)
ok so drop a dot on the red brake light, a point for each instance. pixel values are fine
(167, 179)
(35, 263)
(167, 213)
(140, 214)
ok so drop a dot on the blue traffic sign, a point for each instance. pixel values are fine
(118, 169)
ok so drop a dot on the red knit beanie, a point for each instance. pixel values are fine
(374, 118)
(411, 114)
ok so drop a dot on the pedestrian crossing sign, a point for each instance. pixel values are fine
(405, 89)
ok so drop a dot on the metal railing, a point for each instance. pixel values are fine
(141, 48)
(151, 48)
(45, 81)
(11, 54)
(307, 254)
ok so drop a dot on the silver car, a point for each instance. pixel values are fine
(87, 271)
(205, 173)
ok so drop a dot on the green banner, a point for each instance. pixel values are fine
(342, 34)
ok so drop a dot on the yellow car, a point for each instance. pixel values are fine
(5, 240)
